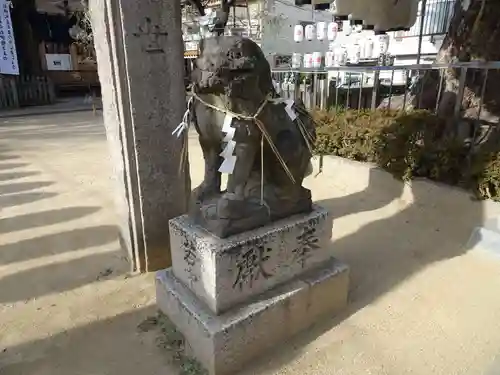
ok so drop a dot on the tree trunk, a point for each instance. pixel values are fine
(473, 35)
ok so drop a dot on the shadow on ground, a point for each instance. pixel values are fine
(8, 176)
(111, 346)
(54, 277)
(57, 243)
(381, 254)
(8, 157)
(18, 187)
(43, 218)
(41, 128)
(384, 253)
(58, 277)
(23, 198)
(9, 166)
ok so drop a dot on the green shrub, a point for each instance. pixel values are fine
(408, 145)
(485, 174)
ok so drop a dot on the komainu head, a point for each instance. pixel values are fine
(233, 66)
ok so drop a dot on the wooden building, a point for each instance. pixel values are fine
(46, 48)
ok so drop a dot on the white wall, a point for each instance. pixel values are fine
(409, 46)
(278, 39)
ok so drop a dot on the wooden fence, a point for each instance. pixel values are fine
(25, 90)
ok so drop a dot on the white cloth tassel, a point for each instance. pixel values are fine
(184, 125)
(180, 129)
(229, 161)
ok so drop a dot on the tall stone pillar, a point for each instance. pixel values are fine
(139, 51)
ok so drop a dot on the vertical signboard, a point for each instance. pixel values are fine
(8, 53)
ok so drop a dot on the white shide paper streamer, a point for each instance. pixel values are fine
(229, 161)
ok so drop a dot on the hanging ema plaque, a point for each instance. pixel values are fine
(8, 54)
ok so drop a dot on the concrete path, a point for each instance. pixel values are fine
(420, 302)
(62, 105)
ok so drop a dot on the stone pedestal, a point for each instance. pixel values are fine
(235, 298)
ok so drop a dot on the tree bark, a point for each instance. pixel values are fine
(473, 35)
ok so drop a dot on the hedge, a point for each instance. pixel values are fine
(408, 145)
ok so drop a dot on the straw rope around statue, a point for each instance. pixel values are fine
(289, 108)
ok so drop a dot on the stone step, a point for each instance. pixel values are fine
(225, 272)
(223, 344)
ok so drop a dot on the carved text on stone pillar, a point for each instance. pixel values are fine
(153, 33)
(250, 265)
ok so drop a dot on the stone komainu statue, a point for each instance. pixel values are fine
(232, 78)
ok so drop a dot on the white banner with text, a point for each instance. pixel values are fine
(8, 53)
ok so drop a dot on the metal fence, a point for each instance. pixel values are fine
(436, 18)
(381, 86)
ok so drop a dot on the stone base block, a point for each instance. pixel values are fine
(224, 344)
(225, 272)
(485, 239)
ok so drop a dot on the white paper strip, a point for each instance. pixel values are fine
(229, 161)
(228, 151)
(229, 135)
(228, 120)
(289, 110)
(227, 165)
